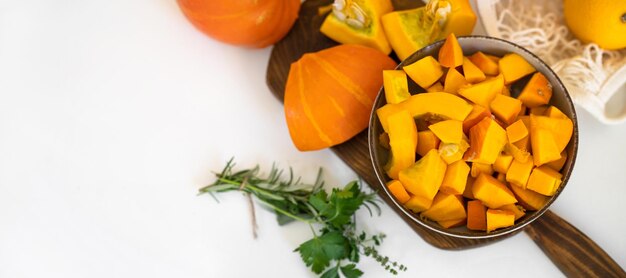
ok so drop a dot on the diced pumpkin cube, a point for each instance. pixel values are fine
(476, 216)
(445, 207)
(451, 152)
(505, 108)
(484, 63)
(544, 180)
(471, 72)
(519, 154)
(519, 172)
(516, 131)
(425, 176)
(396, 86)
(497, 219)
(448, 131)
(437, 87)
(502, 163)
(539, 110)
(426, 141)
(544, 146)
(478, 113)
(492, 192)
(468, 192)
(418, 204)
(557, 165)
(561, 129)
(529, 199)
(537, 91)
(517, 210)
(397, 190)
(402, 141)
(452, 223)
(484, 92)
(513, 67)
(455, 178)
(478, 168)
(450, 53)
(524, 144)
(487, 138)
(424, 72)
(554, 112)
(454, 80)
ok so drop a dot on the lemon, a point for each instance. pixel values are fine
(600, 21)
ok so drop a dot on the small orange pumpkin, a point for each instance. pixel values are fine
(251, 23)
(329, 94)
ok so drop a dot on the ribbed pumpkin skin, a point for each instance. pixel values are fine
(250, 23)
(329, 94)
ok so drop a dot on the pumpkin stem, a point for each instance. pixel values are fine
(351, 12)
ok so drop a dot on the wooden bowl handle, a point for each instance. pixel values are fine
(575, 254)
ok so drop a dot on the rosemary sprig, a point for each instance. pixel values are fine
(336, 246)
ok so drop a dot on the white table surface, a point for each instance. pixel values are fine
(114, 113)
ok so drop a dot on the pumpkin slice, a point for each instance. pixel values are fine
(445, 207)
(450, 53)
(513, 67)
(448, 131)
(499, 219)
(455, 178)
(454, 80)
(471, 72)
(358, 22)
(396, 86)
(329, 94)
(424, 178)
(487, 139)
(492, 192)
(402, 141)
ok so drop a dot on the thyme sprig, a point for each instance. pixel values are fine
(336, 246)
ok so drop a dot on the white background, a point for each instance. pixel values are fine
(114, 113)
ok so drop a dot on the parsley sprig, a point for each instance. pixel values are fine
(336, 246)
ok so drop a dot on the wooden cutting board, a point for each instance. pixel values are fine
(572, 251)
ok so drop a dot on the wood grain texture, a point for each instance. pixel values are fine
(571, 250)
(305, 37)
(575, 254)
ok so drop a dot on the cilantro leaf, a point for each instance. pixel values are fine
(350, 271)
(319, 251)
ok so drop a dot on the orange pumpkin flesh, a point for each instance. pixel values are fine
(329, 94)
(250, 23)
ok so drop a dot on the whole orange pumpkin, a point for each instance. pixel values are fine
(329, 94)
(250, 23)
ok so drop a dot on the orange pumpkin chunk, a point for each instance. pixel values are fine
(514, 67)
(539, 110)
(484, 63)
(424, 72)
(519, 154)
(403, 142)
(487, 138)
(557, 165)
(537, 91)
(529, 199)
(468, 192)
(516, 131)
(437, 87)
(396, 86)
(484, 92)
(452, 223)
(478, 168)
(492, 192)
(499, 219)
(472, 73)
(517, 210)
(554, 112)
(426, 141)
(418, 204)
(503, 162)
(424, 177)
(505, 108)
(476, 216)
(454, 80)
(544, 180)
(450, 53)
(451, 152)
(455, 178)
(445, 207)
(519, 172)
(544, 146)
(397, 190)
(449, 131)
(561, 129)
(478, 113)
